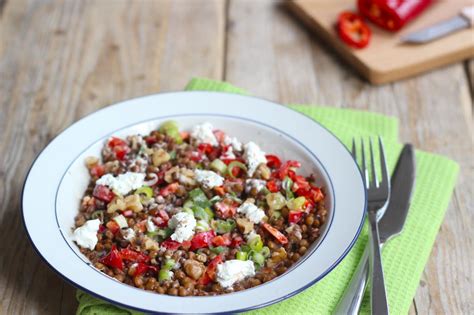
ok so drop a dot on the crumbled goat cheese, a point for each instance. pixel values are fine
(209, 179)
(150, 226)
(233, 271)
(124, 183)
(184, 224)
(254, 157)
(251, 211)
(203, 134)
(233, 142)
(121, 221)
(258, 184)
(86, 235)
(128, 234)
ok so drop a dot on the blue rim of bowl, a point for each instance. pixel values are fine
(312, 282)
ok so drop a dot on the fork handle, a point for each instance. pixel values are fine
(378, 296)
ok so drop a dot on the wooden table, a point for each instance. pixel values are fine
(60, 60)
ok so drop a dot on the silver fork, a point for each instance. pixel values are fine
(378, 195)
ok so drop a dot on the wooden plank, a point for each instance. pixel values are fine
(60, 60)
(282, 61)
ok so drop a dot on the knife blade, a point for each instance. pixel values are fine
(402, 183)
(461, 21)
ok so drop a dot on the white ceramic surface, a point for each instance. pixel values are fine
(58, 179)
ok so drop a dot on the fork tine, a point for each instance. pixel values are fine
(382, 162)
(364, 167)
(374, 181)
(353, 149)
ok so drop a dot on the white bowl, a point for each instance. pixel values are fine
(58, 178)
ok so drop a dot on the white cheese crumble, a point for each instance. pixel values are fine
(258, 184)
(233, 142)
(203, 134)
(124, 183)
(121, 221)
(251, 211)
(184, 224)
(86, 235)
(209, 179)
(150, 226)
(233, 271)
(128, 234)
(254, 157)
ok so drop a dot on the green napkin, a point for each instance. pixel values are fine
(404, 257)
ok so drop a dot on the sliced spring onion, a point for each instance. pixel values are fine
(172, 155)
(258, 259)
(202, 213)
(287, 184)
(233, 164)
(164, 275)
(145, 190)
(222, 227)
(215, 199)
(265, 251)
(199, 198)
(245, 248)
(241, 255)
(276, 214)
(218, 249)
(275, 201)
(296, 203)
(218, 166)
(187, 210)
(202, 226)
(256, 243)
(169, 264)
(160, 233)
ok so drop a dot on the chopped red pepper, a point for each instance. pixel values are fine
(295, 216)
(353, 30)
(119, 147)
(228, 161)
(314, 193)
(299, 182)
(170, 189)
(273, 161)
(205, 148)
(113, 259)
(273, 186)
(225, 210)
(236, 241)
(113, 226)
(195, 156)
(275, 233)
(286, 169)
(210, 273)
(202, 239)
(394, 14)
(103, 193)
(131, 255)
(114, 141)
(170, 244)
(97, 170)
(222, 240)
(142, 268)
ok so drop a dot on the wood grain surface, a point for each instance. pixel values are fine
(60, 60)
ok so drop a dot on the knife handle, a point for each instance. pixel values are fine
(354, 293)
(468, 14)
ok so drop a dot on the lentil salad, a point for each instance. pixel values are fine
(195, 213)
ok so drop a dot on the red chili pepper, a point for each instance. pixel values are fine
(131, 255)
(170, 189)
(202, 239)
(113, 259)
(295, 216)
(103, 193)
(225, 210)
(308, 206)
(114, 141)
(210, 273)
(97, 170)
(394, 14)
(142, 268)
(314, 193)
(299, 182)
(222, 240)
(121, 151)
(170, 244)
(195, 156)
(273, 186)
(286, 169)
(237, 241)
(205, 148)
(228, 161)
(275, 233)
(113, 226)
(273, 161)
(353, 30)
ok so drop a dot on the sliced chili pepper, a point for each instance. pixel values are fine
(203, 239)
(295, 216)
(113, 226)
(210, 273)
(299, 182)
(121, 151)
(221, 240)
(103, 193)
(236, 241)
(205, 148)
(275, 233)
(228, 161)
(314, 193)
(170, 189)
(113, 259)
(131, 255)
(353, 30)
(225, 210)
(273, 161)
(273, 186)
(286, 169)
(394, 14)
(114, 141)
(170, 244)
(142, 268)
(195, 156)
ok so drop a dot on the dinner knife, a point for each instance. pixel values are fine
(461, 21)
(390, 225)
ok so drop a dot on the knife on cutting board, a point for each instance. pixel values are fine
(390, 225)
(465, 19)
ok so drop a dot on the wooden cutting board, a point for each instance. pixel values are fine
(386, 59)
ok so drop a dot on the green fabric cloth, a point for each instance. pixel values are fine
(404, 257)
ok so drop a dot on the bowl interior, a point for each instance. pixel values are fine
(76, 178)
